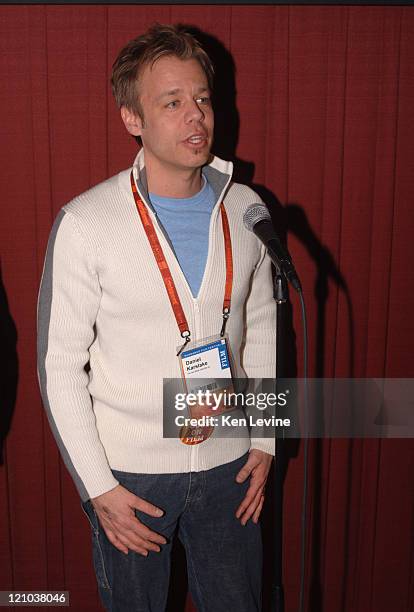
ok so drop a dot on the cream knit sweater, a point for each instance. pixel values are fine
(102, 300)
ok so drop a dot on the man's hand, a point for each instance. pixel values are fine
(115, 510)
(257, 467)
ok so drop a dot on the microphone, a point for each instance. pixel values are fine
(257, 219)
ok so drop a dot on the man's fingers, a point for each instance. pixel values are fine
(245, 471)
(141, 546)
(132, 523)
(258, 465)
(145, 538)
(116, 513)
(131, 545)
(252, 462)
(127, 539)
(245, 503)
(152, 536)
(139, 534)
(144, 506)
(116, 541)
(250, 510)
(145, 533)
(250, 495)
(256, 515)
(133, 534)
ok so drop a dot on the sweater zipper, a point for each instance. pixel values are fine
(194, 450)
(196, 308)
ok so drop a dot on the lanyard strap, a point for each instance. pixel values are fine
(166, 273)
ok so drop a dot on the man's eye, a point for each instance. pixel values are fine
(204, 100)
(172, 104)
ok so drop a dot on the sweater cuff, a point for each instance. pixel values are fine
(267, 445)
(103, 485)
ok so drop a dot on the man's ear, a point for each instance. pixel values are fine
(132, 121)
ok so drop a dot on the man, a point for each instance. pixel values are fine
(103, 302)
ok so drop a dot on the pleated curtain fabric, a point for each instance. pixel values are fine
(315, 105)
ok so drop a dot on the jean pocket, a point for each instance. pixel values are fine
(97, 550)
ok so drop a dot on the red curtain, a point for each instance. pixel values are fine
(322, 122)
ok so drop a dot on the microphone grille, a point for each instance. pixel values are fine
(255, 213)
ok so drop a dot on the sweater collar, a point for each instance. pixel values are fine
(218, 173)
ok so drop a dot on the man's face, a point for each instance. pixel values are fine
(177, 124)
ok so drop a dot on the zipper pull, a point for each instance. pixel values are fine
(186, 335)
(226, 314)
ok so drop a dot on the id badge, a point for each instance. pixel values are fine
(206, 373)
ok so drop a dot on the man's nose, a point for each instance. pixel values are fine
(195, 112)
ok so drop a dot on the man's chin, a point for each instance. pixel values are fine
(201, 158)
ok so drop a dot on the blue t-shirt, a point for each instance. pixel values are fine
(187, 223)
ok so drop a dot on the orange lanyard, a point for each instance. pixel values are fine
(166, 273)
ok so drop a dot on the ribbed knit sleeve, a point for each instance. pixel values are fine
(68, 303)
(259, 356)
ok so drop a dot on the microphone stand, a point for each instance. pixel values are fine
(280, 293)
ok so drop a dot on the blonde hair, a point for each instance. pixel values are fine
(159, 41)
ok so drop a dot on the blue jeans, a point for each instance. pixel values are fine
(224, 559)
